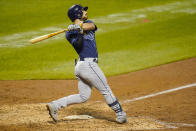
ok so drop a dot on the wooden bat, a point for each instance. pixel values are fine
(40, 38)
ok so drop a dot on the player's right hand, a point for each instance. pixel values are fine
(74, 27)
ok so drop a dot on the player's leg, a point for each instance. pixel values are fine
(97, 78)
(84, 95)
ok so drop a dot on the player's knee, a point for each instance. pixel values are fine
(85, 98)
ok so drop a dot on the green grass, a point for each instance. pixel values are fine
(20, 15)
(123, 46)
(144, 46)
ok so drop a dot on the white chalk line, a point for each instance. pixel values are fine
(167, 125)
(174, 125)
(22, 39)
(171, 124)
(158, 93)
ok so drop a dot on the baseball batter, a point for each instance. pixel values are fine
(81, 35)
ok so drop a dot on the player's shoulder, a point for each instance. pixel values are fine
(88, 21)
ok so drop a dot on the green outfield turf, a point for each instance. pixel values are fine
(132, 35)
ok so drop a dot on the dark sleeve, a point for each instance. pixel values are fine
(75, 38)
(78, 43)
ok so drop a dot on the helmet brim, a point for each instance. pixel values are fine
(85, 8)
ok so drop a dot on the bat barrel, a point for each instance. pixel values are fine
(37, 39)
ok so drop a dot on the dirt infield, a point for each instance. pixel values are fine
(22, 103)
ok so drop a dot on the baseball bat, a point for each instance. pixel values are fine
(40, 38)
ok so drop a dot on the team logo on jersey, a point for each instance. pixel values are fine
(89, 36)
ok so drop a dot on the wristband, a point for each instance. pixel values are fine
(81, 24)
(81, 29)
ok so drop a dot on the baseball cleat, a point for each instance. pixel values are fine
(121, 117)
(52, 111)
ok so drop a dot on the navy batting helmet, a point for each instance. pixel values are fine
(75, 12)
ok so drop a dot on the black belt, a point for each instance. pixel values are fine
(94, 60)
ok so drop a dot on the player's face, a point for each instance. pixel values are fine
(84, 16)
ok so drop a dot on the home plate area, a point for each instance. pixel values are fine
(159, 98)
(35, 114)
(78, 117)
(134, 123)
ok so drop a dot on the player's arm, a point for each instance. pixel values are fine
(78, 43)
(76, 39)
(85, 26)
(88, 26)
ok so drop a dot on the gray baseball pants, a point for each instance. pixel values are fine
(89, 75)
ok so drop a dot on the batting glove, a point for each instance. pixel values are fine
(75, 27)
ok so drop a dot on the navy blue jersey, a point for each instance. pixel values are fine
(84, 44)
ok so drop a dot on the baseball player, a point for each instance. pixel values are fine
(81, 35)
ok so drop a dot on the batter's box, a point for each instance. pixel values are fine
(134, 123)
